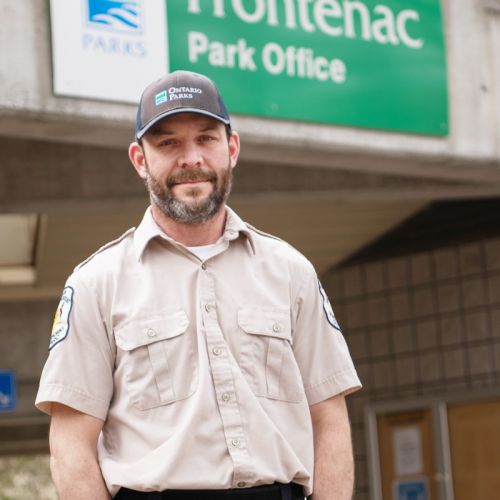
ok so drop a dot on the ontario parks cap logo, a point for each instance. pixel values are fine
(115, 15)
(161, 98)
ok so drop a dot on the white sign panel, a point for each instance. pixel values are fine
(108, 49)
(408, 451)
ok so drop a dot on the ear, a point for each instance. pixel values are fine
(136, 155)
(234, 148)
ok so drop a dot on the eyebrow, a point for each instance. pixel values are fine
(156, 130)
(209, 127)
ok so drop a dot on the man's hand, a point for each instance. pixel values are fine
(73, 455)
(333, 458)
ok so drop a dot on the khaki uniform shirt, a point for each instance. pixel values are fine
(203, 372)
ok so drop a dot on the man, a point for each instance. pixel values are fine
(195, 355)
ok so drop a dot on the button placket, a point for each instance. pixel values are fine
(224, 384)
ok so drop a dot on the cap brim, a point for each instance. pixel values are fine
(171, 112)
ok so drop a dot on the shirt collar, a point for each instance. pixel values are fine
(145, 232)
(148, 229)
(235, 226)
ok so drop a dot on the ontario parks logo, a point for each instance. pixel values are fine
(114, 27)
(161, 98)
(115, 15)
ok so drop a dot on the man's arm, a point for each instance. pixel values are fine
(333, 457)
(73, 455)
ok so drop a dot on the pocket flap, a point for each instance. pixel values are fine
(145, 330)
(268, 321)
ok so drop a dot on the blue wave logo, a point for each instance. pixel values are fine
(115, 15)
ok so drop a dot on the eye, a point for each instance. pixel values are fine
(167, 142)
(206, 138)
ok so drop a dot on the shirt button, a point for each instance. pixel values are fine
(235, 442)
(204, 266)
(217, 351)
(208, 308)
(226, 396)
(241, 484)
(151, 333)
(276, 328)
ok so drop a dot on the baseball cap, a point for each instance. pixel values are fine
(179, 92)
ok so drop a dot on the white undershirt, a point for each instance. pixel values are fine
(204, 252)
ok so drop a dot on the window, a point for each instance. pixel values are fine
(18, 234)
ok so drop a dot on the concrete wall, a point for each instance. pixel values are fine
(24, 335)
(23, 353)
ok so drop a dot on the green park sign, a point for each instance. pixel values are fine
(376, 64)
(365, 63)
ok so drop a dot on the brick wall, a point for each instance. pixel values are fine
(419, 325)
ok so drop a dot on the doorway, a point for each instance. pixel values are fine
(439, 449)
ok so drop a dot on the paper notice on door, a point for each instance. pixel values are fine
(407, 444)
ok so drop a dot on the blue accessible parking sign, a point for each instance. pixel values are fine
(411, 490)
(7, 391)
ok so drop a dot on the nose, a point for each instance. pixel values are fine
(190, 156)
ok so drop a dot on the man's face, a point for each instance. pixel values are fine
(187, 163)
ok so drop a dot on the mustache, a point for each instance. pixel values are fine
(197, 175)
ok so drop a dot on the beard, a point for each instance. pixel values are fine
(194, 211)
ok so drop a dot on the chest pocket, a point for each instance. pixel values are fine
(158, 359)
(266, 356)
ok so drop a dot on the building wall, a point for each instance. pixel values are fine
(24, 336)
(28, 107)
(426, 324)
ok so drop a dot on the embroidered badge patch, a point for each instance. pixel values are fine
(327, 307)
(60, 328)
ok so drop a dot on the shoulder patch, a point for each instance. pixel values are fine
(60, 328)
(327, 307)
(104, 247)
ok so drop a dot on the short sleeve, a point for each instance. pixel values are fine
(319, 346)
(79, 369)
